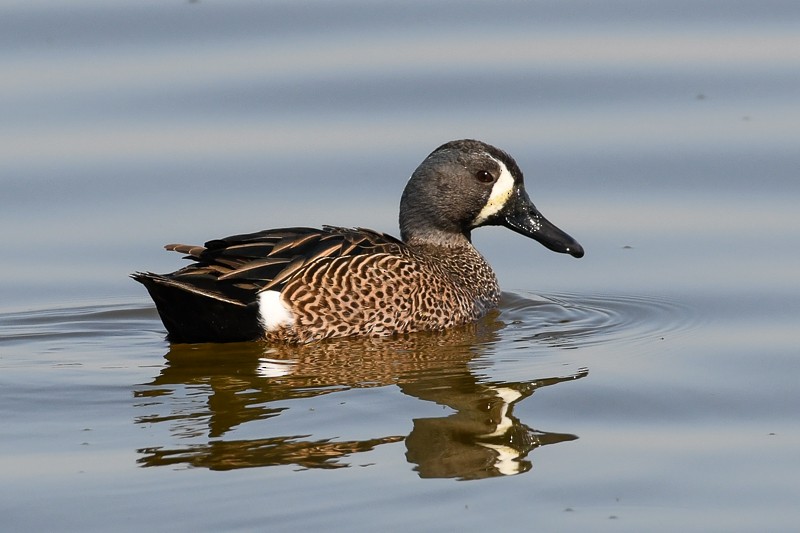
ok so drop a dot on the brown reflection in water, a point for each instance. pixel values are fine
(208, 390)
(482, 438)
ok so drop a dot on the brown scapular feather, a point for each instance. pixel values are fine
(268, 259)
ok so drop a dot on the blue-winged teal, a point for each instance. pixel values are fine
(304, 284)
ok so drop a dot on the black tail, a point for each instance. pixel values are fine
(192, 315)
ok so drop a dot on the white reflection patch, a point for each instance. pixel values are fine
(508, 396)
(500, 194)
(507, 459)
(274, 368)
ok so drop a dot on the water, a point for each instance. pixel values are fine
(651, 384)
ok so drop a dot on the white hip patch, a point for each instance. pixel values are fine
(273, 311)
(500, 194)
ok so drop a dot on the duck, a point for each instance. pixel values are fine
(299, 285)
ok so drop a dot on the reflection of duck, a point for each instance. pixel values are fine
(482, 438)
(303, 284)
(207, 392)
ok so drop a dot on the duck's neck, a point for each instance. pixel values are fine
(435, 238)
(464, 264)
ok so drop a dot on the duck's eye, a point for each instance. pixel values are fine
(484, 176)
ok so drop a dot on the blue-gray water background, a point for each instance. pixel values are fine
(663, 135)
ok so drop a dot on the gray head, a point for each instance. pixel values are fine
(467, 184)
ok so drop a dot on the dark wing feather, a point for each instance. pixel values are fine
(239, 266)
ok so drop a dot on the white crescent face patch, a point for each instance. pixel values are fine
(500, 194)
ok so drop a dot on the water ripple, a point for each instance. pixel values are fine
(577, 320)
(561, 320)
(90, 321)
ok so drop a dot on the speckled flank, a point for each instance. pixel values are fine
(381, 294)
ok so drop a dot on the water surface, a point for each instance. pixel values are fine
(651, 385)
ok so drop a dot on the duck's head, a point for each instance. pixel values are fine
(467, 184)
